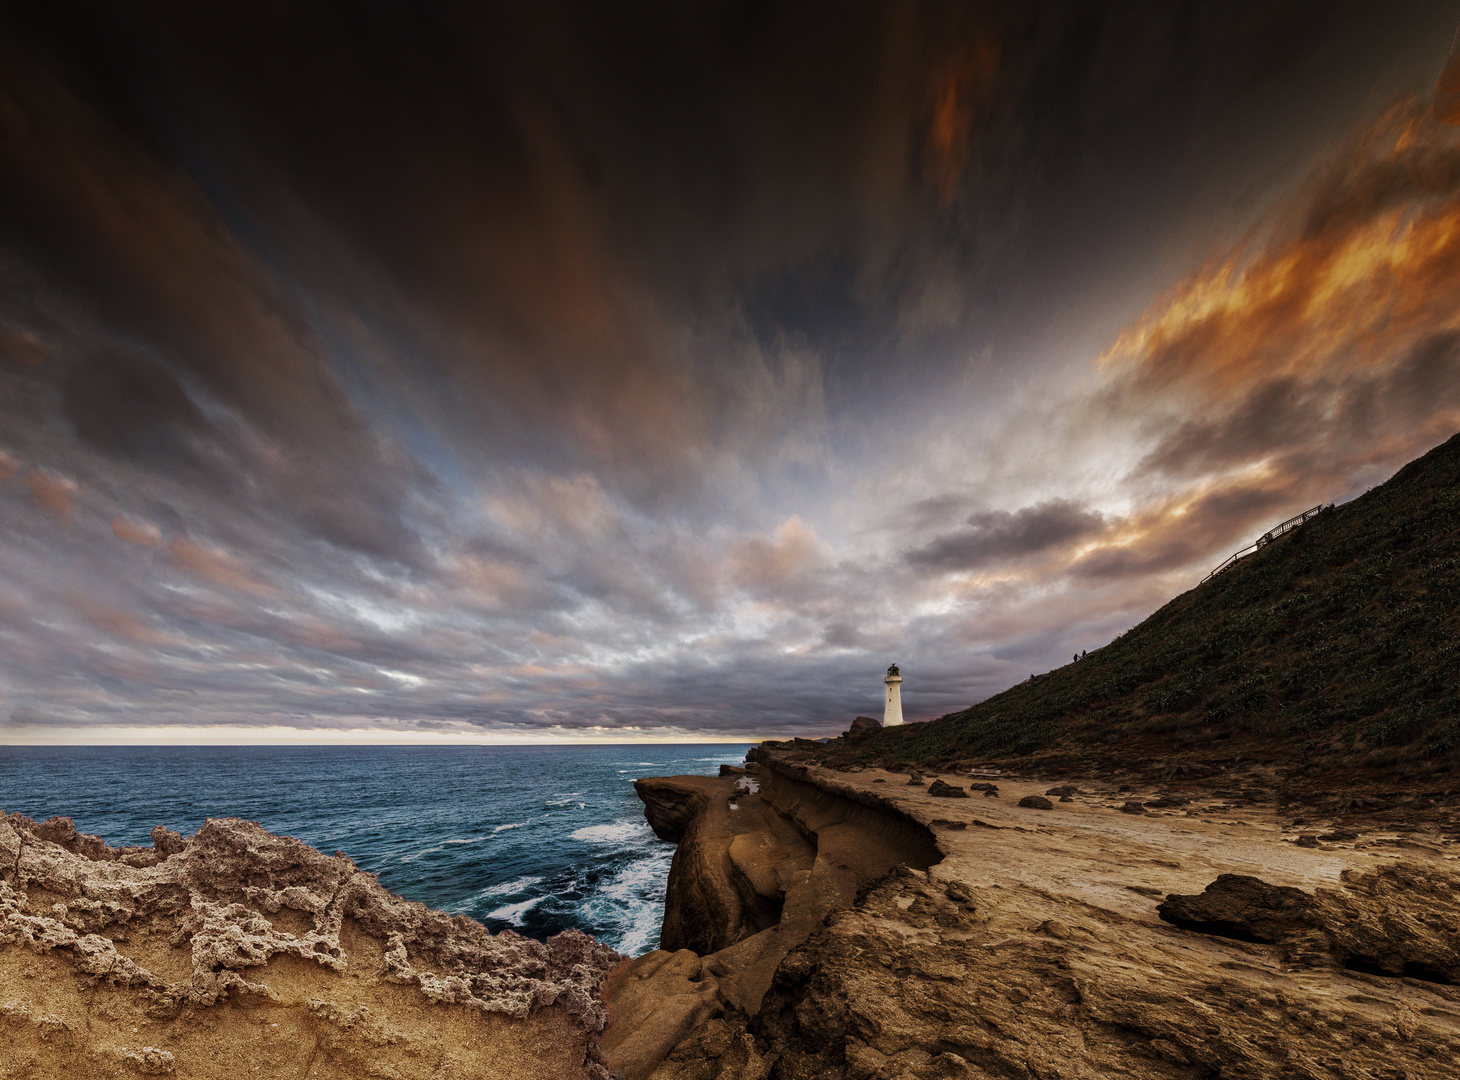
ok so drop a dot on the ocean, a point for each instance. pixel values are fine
(537, 839)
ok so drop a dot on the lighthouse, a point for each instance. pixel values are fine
(892, 716)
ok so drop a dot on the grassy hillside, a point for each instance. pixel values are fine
(1339, 643)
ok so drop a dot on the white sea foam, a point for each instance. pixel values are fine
(512, 825)
(617, 832)
(643, 929)
(513, 912)
(630, 904)
(506, 888)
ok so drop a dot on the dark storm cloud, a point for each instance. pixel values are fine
(136, 244)
(127, 404)
(995, 535)
(1303, 421)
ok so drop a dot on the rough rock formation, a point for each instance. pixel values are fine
(745, 887)
(1195, 939)
(240, 953)
(1399, 920)
(732, 868)
(1244, 907)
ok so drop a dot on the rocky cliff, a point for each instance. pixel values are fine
(1175, 930)
(239, 953)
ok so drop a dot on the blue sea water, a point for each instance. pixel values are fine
(535, 838)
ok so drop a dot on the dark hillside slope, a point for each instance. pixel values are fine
(1337, 645)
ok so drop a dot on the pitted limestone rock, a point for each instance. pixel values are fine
(195, 924)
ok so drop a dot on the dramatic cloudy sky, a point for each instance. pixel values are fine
(654, 370)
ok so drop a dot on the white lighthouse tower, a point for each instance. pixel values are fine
(892, 715)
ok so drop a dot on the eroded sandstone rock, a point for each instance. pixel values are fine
(1400, 921)
(1038, 952)
(238, 948)
(1244, 907)
(914, 984)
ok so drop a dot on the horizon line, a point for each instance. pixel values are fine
(273, 736)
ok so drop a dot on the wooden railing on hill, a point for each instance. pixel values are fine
(1265, 539)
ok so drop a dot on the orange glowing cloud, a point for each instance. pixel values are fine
(1325, 347)
(142, 533)
(216, 566)
(766, 565)
(9, 466)
(961, 91)
(1366, 275)
(52, 493)
(22, 348)
(119, 624)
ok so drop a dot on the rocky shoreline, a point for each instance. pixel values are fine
(837, 924)
(239, 953)
(1164, 929)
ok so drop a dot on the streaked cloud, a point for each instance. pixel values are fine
(550, 377)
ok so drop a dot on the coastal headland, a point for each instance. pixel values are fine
(952, 926)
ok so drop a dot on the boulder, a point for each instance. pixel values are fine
(1036, 802)
(946, 791)
(1063, 789)
(1132, 808)
(1242, 907)
(865, 723)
